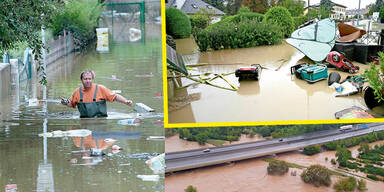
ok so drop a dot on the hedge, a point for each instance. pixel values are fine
(250, 33)
(280, 16)
(178, 24)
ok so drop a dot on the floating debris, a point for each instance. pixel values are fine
(142, 108)
(157, 138)
(149, 177)
(157, 164)
(70, 133)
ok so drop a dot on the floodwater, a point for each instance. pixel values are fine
(251, 175)
(63, 163)
(277, 96)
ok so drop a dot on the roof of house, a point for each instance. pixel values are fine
(318, 5)
(193, 6)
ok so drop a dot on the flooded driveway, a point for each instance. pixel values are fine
(277, 96)
(64, 162)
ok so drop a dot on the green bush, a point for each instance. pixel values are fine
(250, 33)
(199, 21)
(80, 18)
(178, 24)
(362, 185)
(347, 184)
(311, 150)
(280, 16)
(190, 189)
(317, 175)
(276, 167)
(373, 177)
(241, 17)
(297, 21)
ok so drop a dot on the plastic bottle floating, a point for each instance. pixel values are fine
(132, 122)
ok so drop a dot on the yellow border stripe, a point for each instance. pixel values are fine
(164, 54)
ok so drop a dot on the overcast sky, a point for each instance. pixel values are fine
(350, 4)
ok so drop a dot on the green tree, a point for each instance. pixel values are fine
(311, 150)
(327, 4)
(343, 155)
(346, 184)
(21, 21)
(295, 7)
(281, 17)
(277, 167)
(258, 6)
(361, 185)
(178, 24)
(190, 189)
(364, 148)
(317, 175)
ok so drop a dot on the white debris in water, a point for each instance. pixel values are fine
(148, 177)
(70, 133)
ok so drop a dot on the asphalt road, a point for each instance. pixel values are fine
(190, 159)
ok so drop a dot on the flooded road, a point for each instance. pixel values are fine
(251, 175)
(64, 163)
(278, 95)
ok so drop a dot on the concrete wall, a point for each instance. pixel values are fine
(5, 79)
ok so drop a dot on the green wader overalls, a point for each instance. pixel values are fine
(92, 109)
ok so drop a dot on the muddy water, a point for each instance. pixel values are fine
(63, 163)
(278, 95)
(251, 175)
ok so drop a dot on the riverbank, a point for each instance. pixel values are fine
(251, 175)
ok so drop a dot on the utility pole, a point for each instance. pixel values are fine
(358, 14)
(309, 17)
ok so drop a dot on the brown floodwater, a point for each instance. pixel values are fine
(277, 96)
(251, 175)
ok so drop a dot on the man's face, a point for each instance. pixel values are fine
(87, 80)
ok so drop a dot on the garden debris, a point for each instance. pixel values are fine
(208, 80)
(340, 62)
(157, 164)
(334, 77)
(353, 113)
(349, 33)
(70, 133)
(310, 73)
(149, 177)
(344, 89)
(156, 138)
(142, 108)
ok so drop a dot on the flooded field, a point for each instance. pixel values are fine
(65, 162)
(251, 175)
(277, 96)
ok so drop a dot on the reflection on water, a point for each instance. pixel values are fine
(67, 162)
(277, 95)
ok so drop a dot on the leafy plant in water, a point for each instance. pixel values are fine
(374, 75)
(80, 18)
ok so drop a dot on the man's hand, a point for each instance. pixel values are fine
(64, 101)
(128, 102)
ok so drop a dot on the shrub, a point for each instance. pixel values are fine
(276, 167)
(346, 184)
(199, 21)
(280, 16)
(297, 21)
(373, 177)
(241, 17)
(80, 18)
(311, 150)
(250, 33)
(317, 175)
(362, 185)
(190, 189)
(178, 24)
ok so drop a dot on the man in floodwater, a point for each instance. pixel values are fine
(90, 99)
